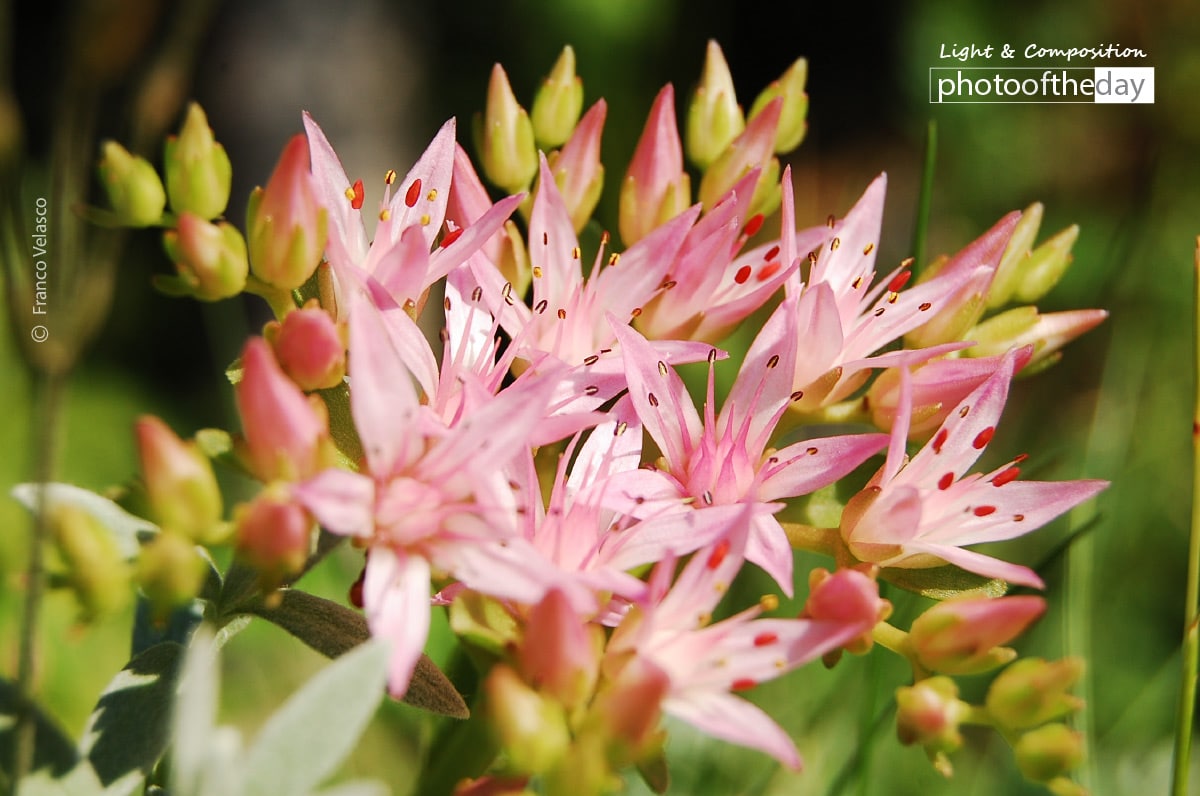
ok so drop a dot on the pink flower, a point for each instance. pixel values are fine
(922, 513)
(721, 459)
(705, 663)
(430, 500)
(845, 320)
(410, 220)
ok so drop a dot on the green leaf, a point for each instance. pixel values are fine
(943, 583)
(357, 788)
(204, 757)
(128, 730)
(306, 740)
(241, 586)
(124, 527)
(53, 748)
(332, 630)
(341, 422)
(81, 781)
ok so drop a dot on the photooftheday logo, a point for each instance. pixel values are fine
(1038, 84)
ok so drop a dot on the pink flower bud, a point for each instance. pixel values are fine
(310, 348)
(752, 149)
(210, 258)
(180, 484)
(965, 636)
(560, 654)
(656, 188)
(631, 705)
(284, 434)
(929, 713)
(577, 169)
(274, 534)
(1046, 334)
(714, 117)
(286, 223)
(847, 596)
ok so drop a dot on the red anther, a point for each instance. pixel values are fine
(983, 511)
(765, 639)
(899, 281)
(742, 275)
(1006, 476)
(983, 438)
(754, 225)
(451, 236)
(771, 254)
(719, 551)
(742, 684)
(768, 271)
(356, 201)
(939, 440)
(414, 193)
(945, 481)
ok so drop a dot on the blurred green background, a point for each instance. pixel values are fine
(380, 77)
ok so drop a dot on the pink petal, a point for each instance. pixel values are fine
(396, 599)
(427, 210)
(814, 463)
(347, 236)
(979, 563)
(342, 501)
(552, 245)
(735, 720)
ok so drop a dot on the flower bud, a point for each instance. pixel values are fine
(532, 730)
(656, 188)
(1049, 752)
(284, 432)
(310, 348)
(210, 258)
(1046, 264)
(792, 118)
(560, 653)
(965, 636)
(170, 571)
(286, 223)
(1019, 245)
(714, 119)
(558, 103)
(197, 168)
(96, 571)
(1024, 326)
(628, 709)
(133, 186)
(577, 169)
(1033, 691)
(505, 137)
(929, 713)
(274, 534)
(849, 597)
(959, 311)
(514, 259)
(752, 149)
(180, 484)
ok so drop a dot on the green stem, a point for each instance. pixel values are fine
(827, 541)
(1191, 627)
(925, 199)
(47, 391)
(891, 637)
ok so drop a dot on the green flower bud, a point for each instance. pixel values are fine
(558, 103)
(1046, 264)
(792, 119)
(1049, 752)
(1033, 691)
(134, 189)
(504, 136)
(286, 224)
(714, 118)
(170, 571)
(96, 571)
(180, 483)
(1004, 283)
(531, 729)
(197, 168)
(210, 259)
(929, 713)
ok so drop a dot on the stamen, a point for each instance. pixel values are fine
(562, 314)
(635, 312)
(432, 195)
(356, 194)
(811, 451)
(983, 438)
(983, 511)
(451, 236)
(925, 306)
(834, 244)
(662, 368)
(614, 258)
(707, 497)
(946, 481)
(576, 253)
(712, 355)
(719, 551)
(768, 602)
(939, 440)
(773, 362)
(1006, 476)
(857, 283)
(385, 214)
(766, 639)
(771, 253)
(797, 395)
(590, 360)
(591, 389)
(742, 275)
(899, 281)
(477, 294)
(389, 176)
(425, 219)
(830, 221)
(620, 429)
(870, 247)
(537, 272)
(604, 238)
(540, 307)
(754, 225)
(653, 399)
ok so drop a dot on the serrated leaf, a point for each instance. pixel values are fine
(308, 738)
(943, 583)
(53, 749)
(332, 630)
(123, 526)
(128, 730)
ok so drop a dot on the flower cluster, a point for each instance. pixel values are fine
(546, 474)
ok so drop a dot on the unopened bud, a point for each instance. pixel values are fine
(1049, 752)
(505, 137)
(133, 186)
(965, 636)
(577, 169)
(180, 484)
(1033, 691)
(514, 259)
(286, 223)
(310, 348)
(929, 713)
(560, 653)
(1019, 245)
(210, 258)
(751, 149)
(197, 168)
(848, 597)
(531, 729)
(558, 103)
(714, 117)
(656, 188)
(793, 122)
(170, 571)
(96, 571)
(1046, 264)
(274, 534)
(1025, 326)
